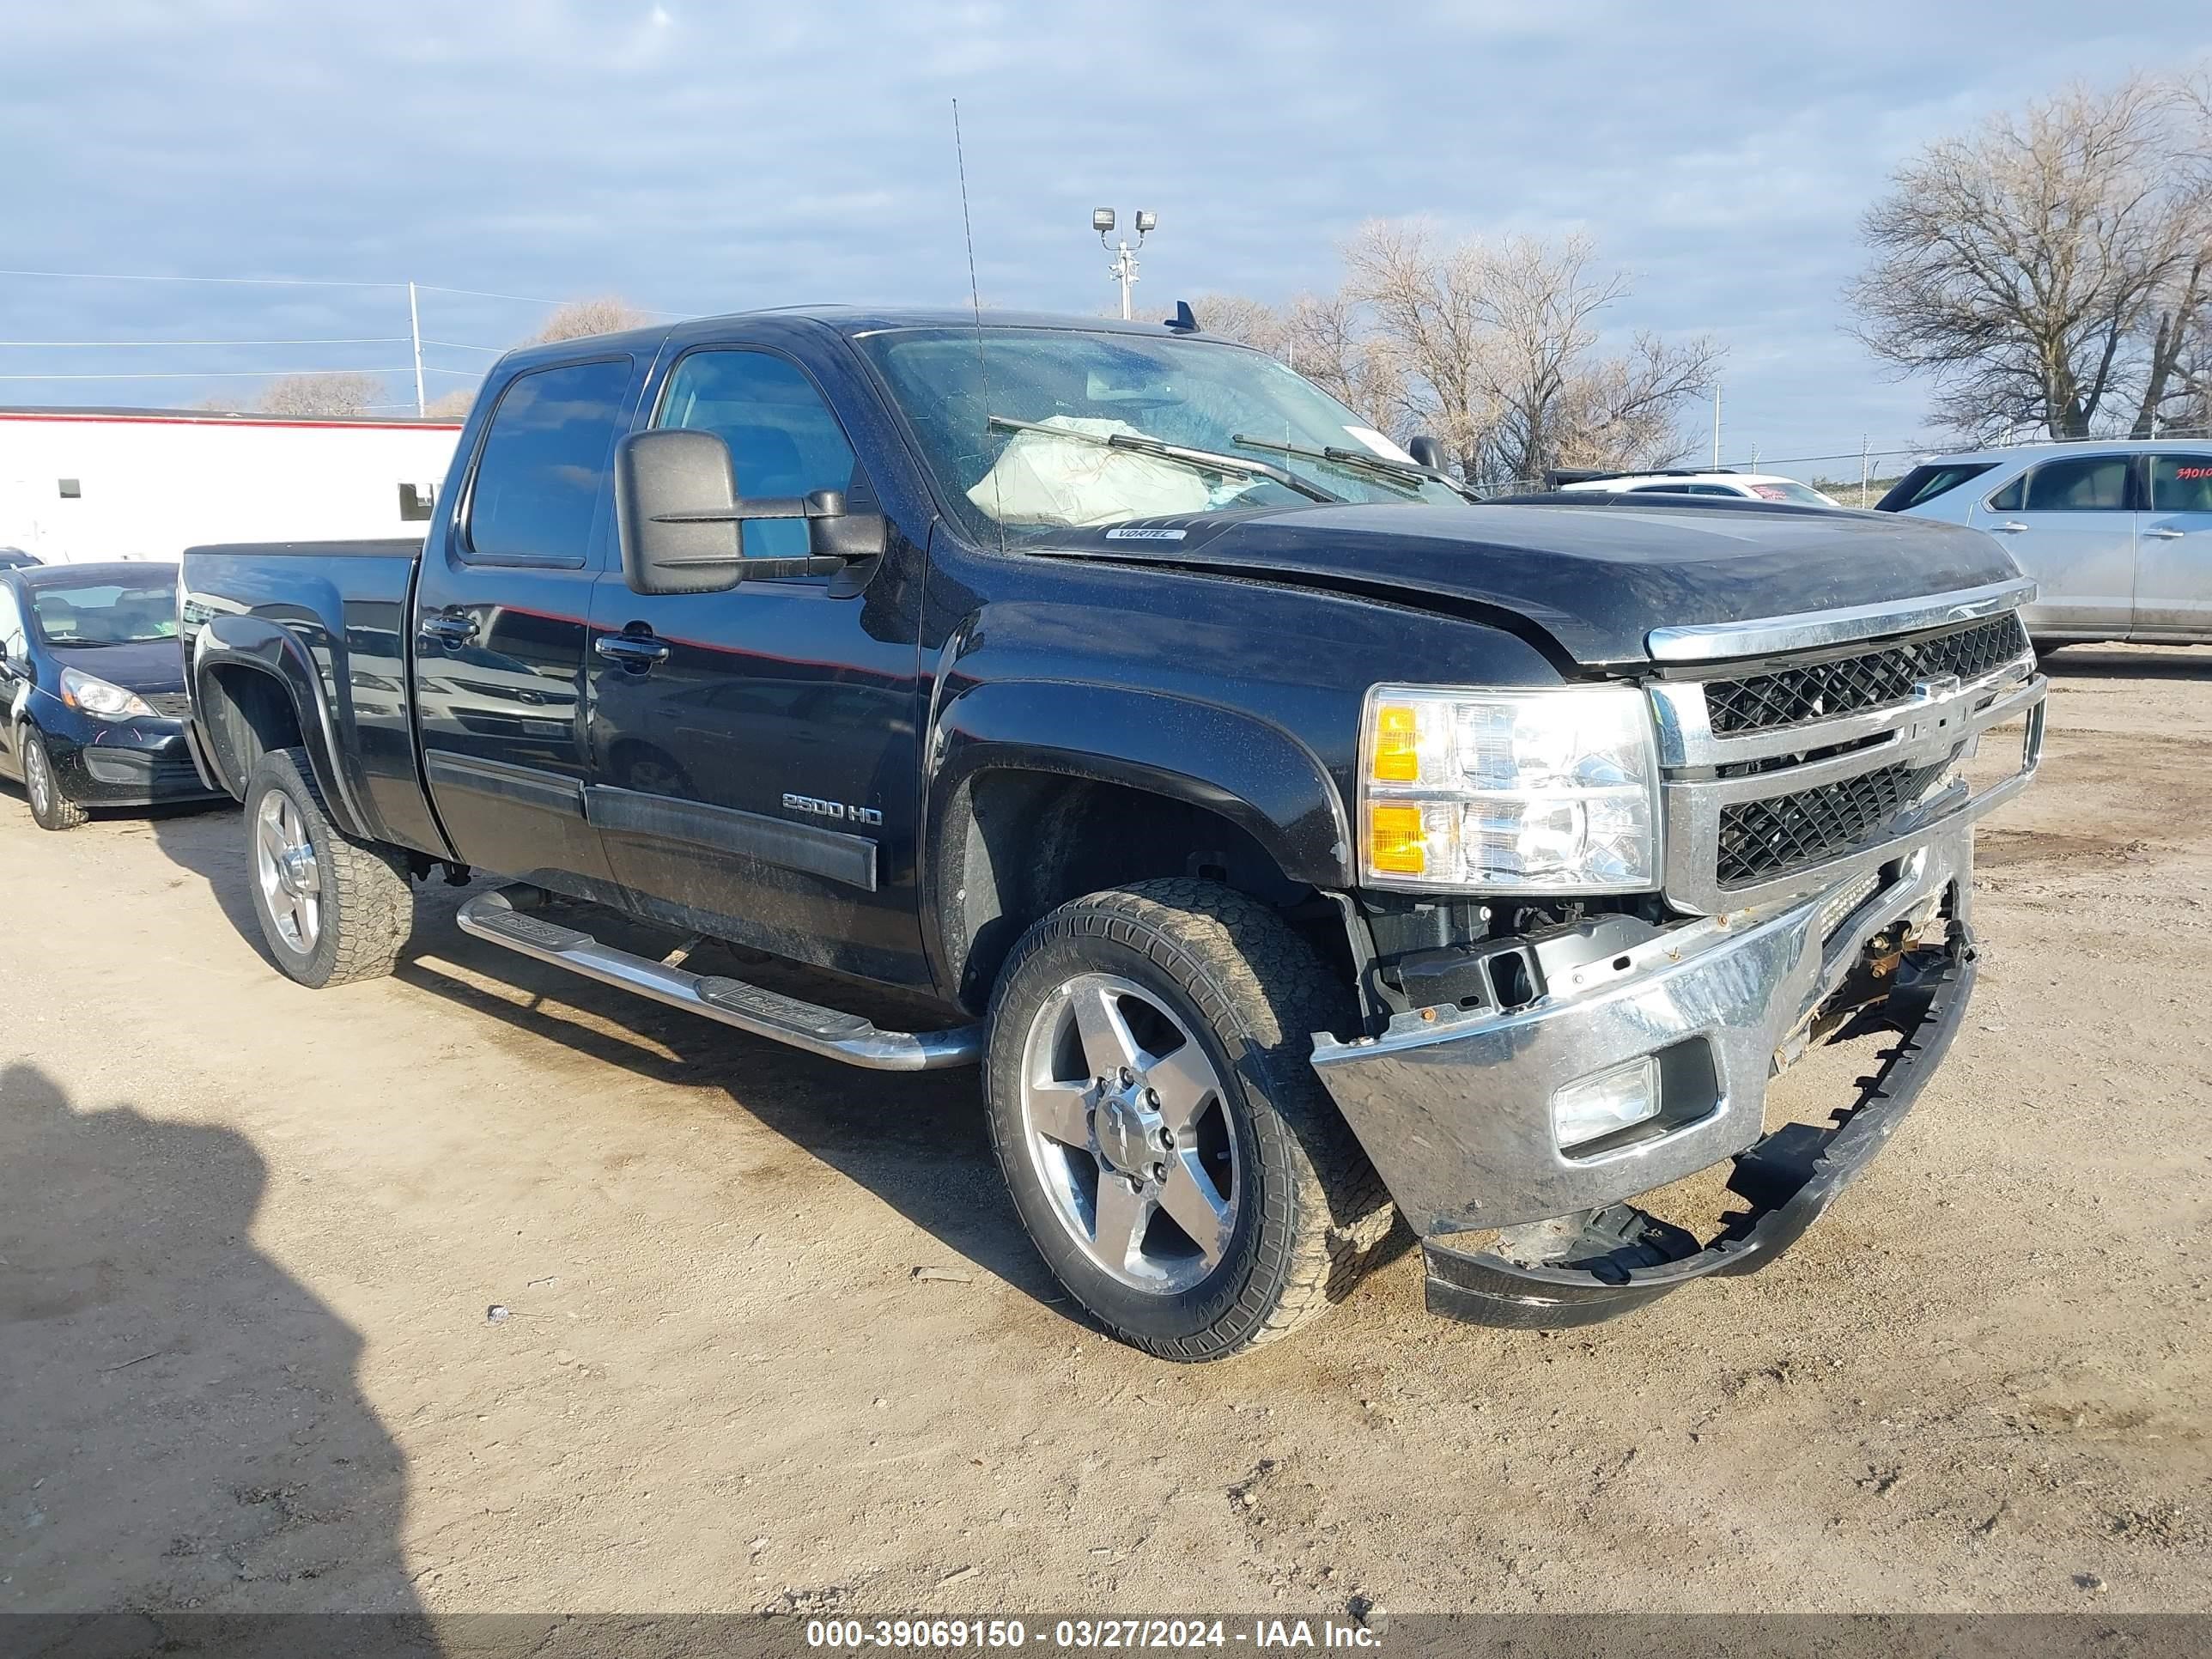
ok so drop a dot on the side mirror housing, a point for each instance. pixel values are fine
(677, 513)
(676, 494)
(1428, 452)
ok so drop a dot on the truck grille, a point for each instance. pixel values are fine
(1784, 774)
(1763, 839)
(1844, 685)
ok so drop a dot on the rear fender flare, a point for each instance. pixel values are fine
(266, 647)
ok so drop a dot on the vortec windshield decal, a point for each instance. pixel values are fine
(1126, 535)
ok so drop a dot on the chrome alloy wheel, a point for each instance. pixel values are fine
(1128, 1131)
(284, 863)
(39, 778)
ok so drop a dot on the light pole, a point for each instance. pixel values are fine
(1124, 267)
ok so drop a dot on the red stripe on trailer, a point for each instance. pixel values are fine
(183, 419)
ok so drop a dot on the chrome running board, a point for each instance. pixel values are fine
(497, 917)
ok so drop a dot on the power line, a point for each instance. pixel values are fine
(304, 282)
(136, 277)
(215, 373)
(373, 339)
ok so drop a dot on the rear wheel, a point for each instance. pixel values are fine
(1156, 1116)
(49, 808)
(332, 909)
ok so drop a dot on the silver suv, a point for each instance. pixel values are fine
(2116, 533)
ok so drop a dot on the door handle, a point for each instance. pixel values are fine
(2166, 535)
(2010, 527)
(451, 628)
(639, 651)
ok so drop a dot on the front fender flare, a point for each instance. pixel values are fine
(1256, 775)
(268, 648)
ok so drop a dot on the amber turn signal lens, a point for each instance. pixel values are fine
(1397, 745)
(1395, 840)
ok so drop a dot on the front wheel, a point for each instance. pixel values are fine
(332, 909)
(1159, 1123)
(49, 808)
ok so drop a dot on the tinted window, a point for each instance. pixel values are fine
(2181, 484)
(1685, 489)
(2081, 483)
(107, 613)
(11, 623)
(1925, 483)
(2009, 499)
(783, 440)
(545, 462)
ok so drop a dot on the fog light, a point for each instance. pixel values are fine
(1605, 1104)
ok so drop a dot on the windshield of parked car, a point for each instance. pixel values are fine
(106, 613)
(1788, 490)
(1018, 425)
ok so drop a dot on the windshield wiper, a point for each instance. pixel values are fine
(1360, 461)
(1208, 459)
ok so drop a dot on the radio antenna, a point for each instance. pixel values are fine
(975, 305)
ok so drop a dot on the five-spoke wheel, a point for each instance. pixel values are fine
(1157, 1115)
(1126, 1127)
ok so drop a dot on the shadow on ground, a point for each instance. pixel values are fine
(919, 1142)
(184, 1428)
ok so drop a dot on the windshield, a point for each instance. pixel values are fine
(1060, 397)
(1786, 489)
(106, 613)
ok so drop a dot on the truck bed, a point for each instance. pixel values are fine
(330, 619)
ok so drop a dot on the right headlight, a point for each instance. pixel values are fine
(1552, 792)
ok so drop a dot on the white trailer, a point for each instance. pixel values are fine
(84, 484)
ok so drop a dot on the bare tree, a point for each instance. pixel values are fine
(452, 406)
(2020, 265)
(1497, 351)
(1322, 335)
(2179, 350)
(308, 396)
(604, 315)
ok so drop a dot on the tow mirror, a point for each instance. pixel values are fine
(677, 513)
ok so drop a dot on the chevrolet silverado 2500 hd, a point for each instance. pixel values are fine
(1288, 837)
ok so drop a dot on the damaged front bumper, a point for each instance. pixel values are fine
(1455, 1109)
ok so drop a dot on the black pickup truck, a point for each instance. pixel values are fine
(1291, 838)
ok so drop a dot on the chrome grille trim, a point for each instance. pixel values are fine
(1811, 630)
(1933, 731)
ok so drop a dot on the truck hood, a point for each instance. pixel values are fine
(1596, 579)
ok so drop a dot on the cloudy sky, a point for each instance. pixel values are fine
(694, 155)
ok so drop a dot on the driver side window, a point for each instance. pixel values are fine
(783, 440)
(13, 646)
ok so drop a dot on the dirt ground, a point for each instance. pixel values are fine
(251, 1234)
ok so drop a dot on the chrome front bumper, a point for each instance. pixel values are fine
(1455, 1108)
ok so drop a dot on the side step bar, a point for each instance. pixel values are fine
(498, 917)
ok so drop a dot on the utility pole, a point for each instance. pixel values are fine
(415, 332)
(1124, 267)
(1866, 460)
(1717, 428)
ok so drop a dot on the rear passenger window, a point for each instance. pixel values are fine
(2080, 483)
(546, 463)
(2181, 484)
(783, 440)
(2009, 499)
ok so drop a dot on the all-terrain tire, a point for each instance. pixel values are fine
(366, 907)
(51, 809)
(1252, 991)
